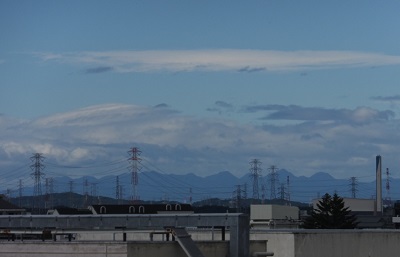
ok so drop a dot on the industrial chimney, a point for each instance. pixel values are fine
(378, 205)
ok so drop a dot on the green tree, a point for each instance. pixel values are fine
(331, 214)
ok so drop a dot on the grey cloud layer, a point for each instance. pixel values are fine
(104, 133)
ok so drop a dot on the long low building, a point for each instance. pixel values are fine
(289, 243)
(107, 209)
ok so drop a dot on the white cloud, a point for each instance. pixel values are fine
(221, 60)
(79, 153)
(182, 144)
(11, 148)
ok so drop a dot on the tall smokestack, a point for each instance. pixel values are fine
(378, 184)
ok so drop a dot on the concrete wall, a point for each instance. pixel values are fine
(268, 212)
(348, 244)
(114, 249)
(172, 249)
(280, 243)
(50, 249)
(293, 243)
(331, 243)
(138, 235)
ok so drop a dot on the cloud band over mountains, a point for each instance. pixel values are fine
(238, 60)
(181, 144)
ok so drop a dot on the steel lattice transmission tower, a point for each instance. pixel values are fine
(255, 173)
(238, 197)
(273, 179)
(135, 168)
(353, 186)
(37, 175)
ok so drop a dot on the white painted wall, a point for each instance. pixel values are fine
(270, 211)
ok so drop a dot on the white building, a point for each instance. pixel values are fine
(274, 216)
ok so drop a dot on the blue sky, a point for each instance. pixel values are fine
(202, 87)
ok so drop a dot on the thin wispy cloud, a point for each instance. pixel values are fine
(223, 104)
(394, 98)
(100, 69)
(250, 69)
(237, 60)
(162, 105)
(299, 113)
(221, 107)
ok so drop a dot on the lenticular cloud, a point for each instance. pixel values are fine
(220, 60)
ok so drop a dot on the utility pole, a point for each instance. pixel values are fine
(117, 190)
(273, 178)
(263, 192)
(237, 197)
(135, 168)
(20, 191)
(121, 193)
(49, 186)
(85, 193)
(93, 192)
(388, 197)
(71, 193)
(8, 193)
(282, 192)
(245, 191)
(255, 172)
(288, 190)
(37, 175)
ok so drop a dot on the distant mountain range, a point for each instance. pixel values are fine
(155, 186)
